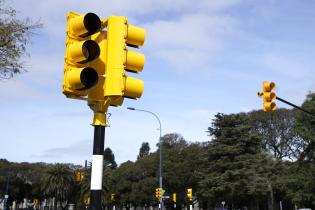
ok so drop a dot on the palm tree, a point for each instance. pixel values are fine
(59, 183)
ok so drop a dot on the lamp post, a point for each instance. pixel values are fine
(160, 146)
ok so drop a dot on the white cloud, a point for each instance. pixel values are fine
(81, 149)
(190, 41)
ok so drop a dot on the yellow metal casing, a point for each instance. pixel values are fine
(78, 176)
(87, 200)
(80, 51)
(189, 194)
(119, 58)
(174, 197)
(269, 96)
(158, 193)
(35, 202)
(269, 106)
(112, 197)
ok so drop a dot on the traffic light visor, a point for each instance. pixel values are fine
(269, 106)
(269, 96)
(82, 79)
(268, 86)
(85, 25)
(84, 51)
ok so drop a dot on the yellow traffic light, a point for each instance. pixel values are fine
(174, 197)
(78, 176)
(189, 194)
(119, 59)
(87, 200)
(80, 51)
(158, 193)
(112, 197)
(35, 202)
(268, 96)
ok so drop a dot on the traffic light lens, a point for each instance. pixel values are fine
(89, 78)
(92, 24)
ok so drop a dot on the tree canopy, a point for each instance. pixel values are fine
(252, 160)
(15, 35)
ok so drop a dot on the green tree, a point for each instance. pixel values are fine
(237, 171)
(109, 158)
(15, 35)
(305, 125)
(144, 150)
(124, 177)
(276, 129)
(59, 182)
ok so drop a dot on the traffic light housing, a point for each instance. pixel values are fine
(120, 35)
(97, 59)
(269, 96)
(112, 197)
(87, 200)
(78, 176)
(80, 51)
(189, 194)
(158, 193)
(35, 202)
(174, 197)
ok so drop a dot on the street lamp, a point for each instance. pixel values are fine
(160, 146)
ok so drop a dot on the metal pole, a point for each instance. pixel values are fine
(295, 106)
(97, 168)
(161, 154)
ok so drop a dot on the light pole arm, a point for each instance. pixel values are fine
(158, 119)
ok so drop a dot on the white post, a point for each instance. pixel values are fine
(190, 207)
(280, 205)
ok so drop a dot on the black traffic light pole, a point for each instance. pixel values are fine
(295, 106)
(97, 168)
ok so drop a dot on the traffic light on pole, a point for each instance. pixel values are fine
(112, 198)
(119, 59)
(79, 76)
(174, 197)
(269, 96)
(189, 194)
(158, 193)
(79, 176)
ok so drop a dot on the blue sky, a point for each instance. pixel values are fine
(202, 57)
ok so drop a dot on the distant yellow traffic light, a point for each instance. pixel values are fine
(158, 193)
(87, 200)
(269, 96)
(79, 76)
(120, 35)
(112, 197)
(78, 176)
(174, 197)
(189, 194)
(35, 202)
